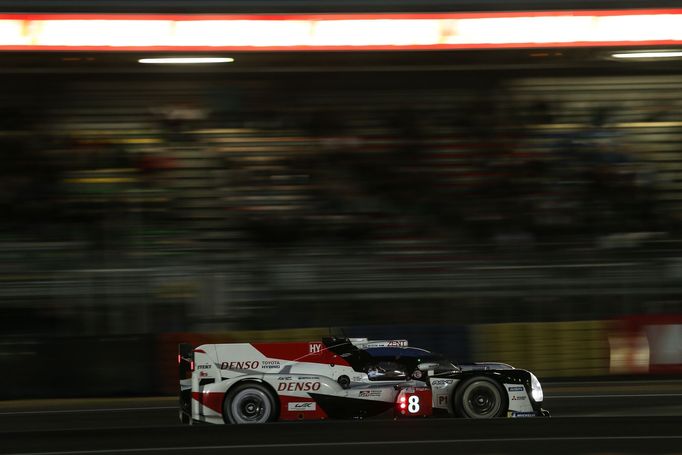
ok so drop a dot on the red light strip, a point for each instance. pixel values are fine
(319, 32)
(332, 16)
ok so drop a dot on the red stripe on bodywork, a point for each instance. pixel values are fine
(300, 352)
(212, 400)
(200, 350)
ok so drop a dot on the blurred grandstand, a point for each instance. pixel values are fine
(145, 205)
(519, 205)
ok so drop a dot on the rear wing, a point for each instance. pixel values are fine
(185, 368)
(185, 360)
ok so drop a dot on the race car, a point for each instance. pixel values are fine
(351, 378)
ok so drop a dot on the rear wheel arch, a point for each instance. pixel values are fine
(256, 384)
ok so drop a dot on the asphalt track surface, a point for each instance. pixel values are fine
(603, 418)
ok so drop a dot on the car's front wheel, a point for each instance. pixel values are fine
(250, 403)
(480, 398)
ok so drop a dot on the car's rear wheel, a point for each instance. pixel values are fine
(250, 403)
(480, 398)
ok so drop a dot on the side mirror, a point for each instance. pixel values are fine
(427, 366)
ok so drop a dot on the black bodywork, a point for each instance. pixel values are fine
(185, 360)
(363, 360)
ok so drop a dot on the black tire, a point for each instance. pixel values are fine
(185, 419)
(250, 403)
(480, 398)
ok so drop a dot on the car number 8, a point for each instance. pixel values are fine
(413, 404)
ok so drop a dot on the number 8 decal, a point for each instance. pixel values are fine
(413, 404)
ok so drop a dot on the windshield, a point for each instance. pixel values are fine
(394, 362)
(445, 366)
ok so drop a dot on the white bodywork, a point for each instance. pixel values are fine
(300, 381)
(228, 364)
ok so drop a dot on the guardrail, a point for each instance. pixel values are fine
(340, 286)
(146, 364)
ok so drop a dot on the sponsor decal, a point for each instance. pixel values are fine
(386, 344)
(203, 374)
(369, 393)
(516, 388)
(520, 414)
(315, 347)
(518, 398)
(203, 367)
(442, 399)
(396, 343)
(441, 382)
(302, 406)
(299, 386)
(284, 378)
(314, 378)
(247, 365)
(356, 378)
(413, 404)
(270, 364)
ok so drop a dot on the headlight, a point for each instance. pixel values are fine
(536, 389)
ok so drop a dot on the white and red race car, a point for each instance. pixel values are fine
(344, 378)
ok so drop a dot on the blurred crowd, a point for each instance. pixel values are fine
(252, 201)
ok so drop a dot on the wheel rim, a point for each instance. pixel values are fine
(251, 406)
(482, 400)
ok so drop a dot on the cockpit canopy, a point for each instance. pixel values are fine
(399, 352)
(384, 361)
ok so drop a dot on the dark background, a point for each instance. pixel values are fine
(274, 6)
(518, 206)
